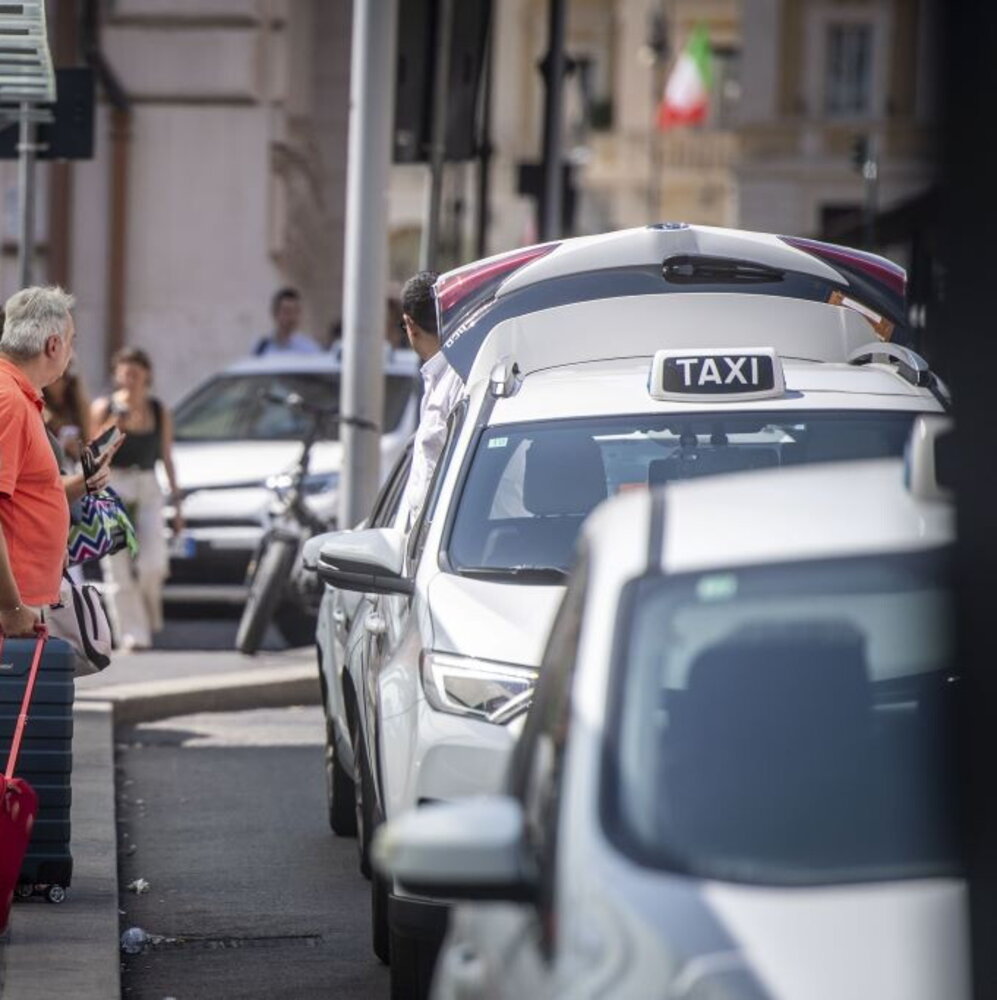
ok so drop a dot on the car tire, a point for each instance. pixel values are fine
(296, 625)
(364, 802)
(380, 935)
(340, 793)
(272, 568)
(412, 963)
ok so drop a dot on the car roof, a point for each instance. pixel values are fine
(396, 362)
(676, 270)
(776, 515)
(608, 388)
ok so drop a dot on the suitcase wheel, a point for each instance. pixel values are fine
(24, 890)
(55, 893)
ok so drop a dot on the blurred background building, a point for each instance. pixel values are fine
(219, 166)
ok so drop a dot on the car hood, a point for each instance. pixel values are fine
(891, 940)
(214, 464)
(493, 621)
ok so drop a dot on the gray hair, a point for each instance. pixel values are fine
(31, 316)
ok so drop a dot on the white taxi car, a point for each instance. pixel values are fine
(592, 368)
(735, 777)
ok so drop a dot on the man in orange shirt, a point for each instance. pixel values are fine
(36, 347)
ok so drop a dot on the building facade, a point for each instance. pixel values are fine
(820, 78)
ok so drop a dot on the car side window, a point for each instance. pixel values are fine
(391, 494)
(386, 502)
(417, 537)
(535, 771)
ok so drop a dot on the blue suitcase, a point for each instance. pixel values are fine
(46, 759)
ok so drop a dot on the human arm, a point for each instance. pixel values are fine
(166, 450)
(15, 619)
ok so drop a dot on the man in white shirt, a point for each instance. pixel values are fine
(441, 386)
(285, 307)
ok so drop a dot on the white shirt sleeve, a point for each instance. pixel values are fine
(443, 389)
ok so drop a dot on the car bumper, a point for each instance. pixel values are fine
(428, 756)
(211, 567)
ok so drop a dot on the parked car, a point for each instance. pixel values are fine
(570, 400)
(736, 776)
(233, 436)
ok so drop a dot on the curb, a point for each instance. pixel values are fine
(267, 687)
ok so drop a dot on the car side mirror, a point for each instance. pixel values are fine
(370, 561)
(466, 849)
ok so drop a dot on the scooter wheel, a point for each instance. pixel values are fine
(55, 893)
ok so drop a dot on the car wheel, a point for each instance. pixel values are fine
(364, 802)
(412, 963)
(339, 789)
(379, 934)
(296, 625)
(272, 569)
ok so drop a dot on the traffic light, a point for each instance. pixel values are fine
(860, 152)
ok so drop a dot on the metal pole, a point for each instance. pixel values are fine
(485, 152)
(429, 252)
(657, 44)
(26, 205)
(553, 189)
(365, 271)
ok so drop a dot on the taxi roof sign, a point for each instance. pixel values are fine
(716, 374)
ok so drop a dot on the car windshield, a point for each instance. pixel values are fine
(236, 407)
(530, 486)
(786, 725)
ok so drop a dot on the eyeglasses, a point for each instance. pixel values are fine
(402, 326)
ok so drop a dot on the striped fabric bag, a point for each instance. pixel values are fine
(99, 526)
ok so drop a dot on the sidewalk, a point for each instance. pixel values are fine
(71, 950)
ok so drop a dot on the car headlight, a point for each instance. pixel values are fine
(482, 689)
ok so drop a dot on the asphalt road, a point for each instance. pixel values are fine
(250, 894)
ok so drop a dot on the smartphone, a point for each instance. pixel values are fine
(103, 441)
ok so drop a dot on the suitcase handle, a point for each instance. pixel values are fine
(29, 689)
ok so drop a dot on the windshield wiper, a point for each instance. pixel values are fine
(692, 269)
(523, 574)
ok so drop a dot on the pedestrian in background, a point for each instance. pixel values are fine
(285, 307)
(36, 347)
(148, 428)
(442, 386)
(67, 413)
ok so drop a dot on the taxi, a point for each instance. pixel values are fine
(602, 366)
(735, 779)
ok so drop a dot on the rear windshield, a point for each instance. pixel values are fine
(787, 724)
(530, 486)
(235, 407)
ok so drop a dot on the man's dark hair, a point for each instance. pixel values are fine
(280, 295)
(419, 302)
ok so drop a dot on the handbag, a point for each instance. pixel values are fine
(99, 526)
(80, 619)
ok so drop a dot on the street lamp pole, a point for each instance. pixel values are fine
(365, 271)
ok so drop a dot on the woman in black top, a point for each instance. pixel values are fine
(148, 427)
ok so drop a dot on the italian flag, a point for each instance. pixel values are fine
(687, 91)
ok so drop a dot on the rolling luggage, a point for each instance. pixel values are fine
(46, 757)
(18, 801)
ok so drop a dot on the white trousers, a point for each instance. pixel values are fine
(136, 589)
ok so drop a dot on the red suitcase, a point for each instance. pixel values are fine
(18, 801)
